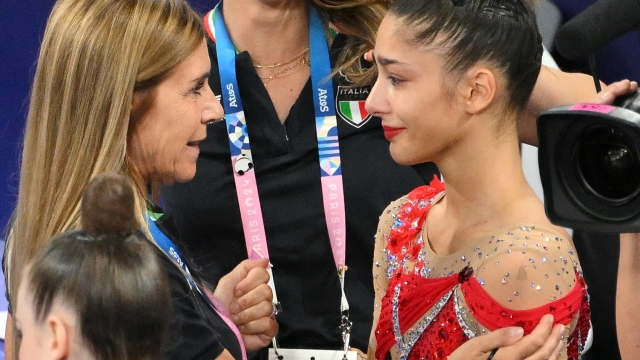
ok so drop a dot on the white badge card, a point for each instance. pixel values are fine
(307, 354)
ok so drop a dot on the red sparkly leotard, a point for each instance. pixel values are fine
(427, 305)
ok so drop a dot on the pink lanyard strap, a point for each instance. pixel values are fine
(241, 157)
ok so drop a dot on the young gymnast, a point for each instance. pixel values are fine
(450, 265)
(97, 293)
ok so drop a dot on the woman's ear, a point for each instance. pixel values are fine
(58, 334)
(478, 89)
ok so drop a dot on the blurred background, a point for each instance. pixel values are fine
(22, 23)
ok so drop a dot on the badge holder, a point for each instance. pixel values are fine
(307, 354)
(277, 353)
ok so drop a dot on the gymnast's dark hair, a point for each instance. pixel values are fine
(108, 274)
(503, 33)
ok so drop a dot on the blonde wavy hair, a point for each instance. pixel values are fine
(94, 56)
(359, 19)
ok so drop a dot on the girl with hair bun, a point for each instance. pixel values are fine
(123, 316)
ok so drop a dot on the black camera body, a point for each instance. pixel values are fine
(589, 159)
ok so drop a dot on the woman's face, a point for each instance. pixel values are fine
(419, 117)
(163, 145)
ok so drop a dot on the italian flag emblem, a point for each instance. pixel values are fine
(354, 111)
(350, 105)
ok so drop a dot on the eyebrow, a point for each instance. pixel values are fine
(384, 61)
(201, 77)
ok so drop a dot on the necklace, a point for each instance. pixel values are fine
(292, 68)
(257, 66)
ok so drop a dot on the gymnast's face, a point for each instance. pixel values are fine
(53, 338)
(412, 96)
(26, 329)
(163, 145)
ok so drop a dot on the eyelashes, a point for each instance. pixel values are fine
(196, 89)
(394, 80)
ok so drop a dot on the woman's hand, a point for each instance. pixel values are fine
(247, 296)
(544, 342)
(608, 95)
(368, 56)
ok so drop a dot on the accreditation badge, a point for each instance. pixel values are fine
(306, 354)
(350, 104)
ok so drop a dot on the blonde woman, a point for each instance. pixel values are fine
(121, 88)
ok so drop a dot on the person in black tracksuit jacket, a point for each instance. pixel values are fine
(288, 177)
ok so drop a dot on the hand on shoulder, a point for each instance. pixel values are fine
(545, 342)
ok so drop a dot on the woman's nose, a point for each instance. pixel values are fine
(213, 111)
(375, 101)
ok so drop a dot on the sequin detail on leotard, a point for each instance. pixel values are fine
(434, 303)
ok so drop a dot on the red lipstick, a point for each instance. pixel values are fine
(391, 132)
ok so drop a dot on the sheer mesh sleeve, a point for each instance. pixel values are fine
(528, 269)
(380, 278)
(528, 273)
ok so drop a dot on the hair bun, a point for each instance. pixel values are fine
(108, 206)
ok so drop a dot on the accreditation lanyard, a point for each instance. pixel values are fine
(327, 135)
(168, 247)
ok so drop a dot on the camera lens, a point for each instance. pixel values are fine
(608, 164)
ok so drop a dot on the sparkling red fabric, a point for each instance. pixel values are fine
(494, 316)
(414, 297)
(418, 292)
(411, 216)
(444, 334)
